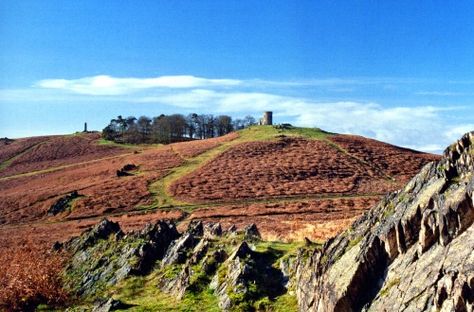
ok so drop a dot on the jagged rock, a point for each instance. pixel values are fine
(103, 255)
(232, 229)
(196, 228)
(212, 230)
(177, 286)
(102, 230)
(109, 305)
(251, 232)
(178, 250)
(158, 238)
(235, 277)
(199, 251)
(245, 276)
(414, 251)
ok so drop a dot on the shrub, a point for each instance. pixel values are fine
(30, 276)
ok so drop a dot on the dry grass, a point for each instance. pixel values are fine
(29, 277)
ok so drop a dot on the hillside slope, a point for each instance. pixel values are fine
(293, 182)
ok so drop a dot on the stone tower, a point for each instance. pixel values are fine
(85, 127)
(267, 119)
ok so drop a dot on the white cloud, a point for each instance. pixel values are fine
(331, 82)
(456, 132)
(107, 85)
(429, 148)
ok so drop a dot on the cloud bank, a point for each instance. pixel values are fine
(424, 127)
(107, 85)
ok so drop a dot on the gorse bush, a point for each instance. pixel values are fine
(30, 276)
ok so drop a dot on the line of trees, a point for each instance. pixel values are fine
(172, 128)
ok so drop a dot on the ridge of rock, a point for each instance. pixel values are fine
(414, 251)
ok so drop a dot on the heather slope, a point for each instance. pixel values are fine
(289, 179)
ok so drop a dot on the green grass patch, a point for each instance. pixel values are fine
(392, 283)
(284, 303)
(276, 246)
(353, 242)
(171, 271)
(265, 133)
(143, 294)
(309, 133)
(105, 142)
(389, 210)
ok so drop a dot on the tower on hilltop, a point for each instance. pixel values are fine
(267, 119)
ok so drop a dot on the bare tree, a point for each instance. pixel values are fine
(144, 127)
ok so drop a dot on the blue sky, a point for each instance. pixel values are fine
(397, 71)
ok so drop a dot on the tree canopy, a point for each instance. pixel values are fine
(167, 129)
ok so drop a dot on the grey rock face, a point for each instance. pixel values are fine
(109, 305)
(236, 276)
(178, 285)
(102, 230)
(414, 251)
(103, 256)
(251, 232)
(212, 230)
(245, 276)
(157, 238)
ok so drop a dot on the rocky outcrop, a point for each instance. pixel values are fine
(202, 259)
(246, 276)
(104, 255)
(251, 232)
(178, 251)
(62, 204)
(414, 251)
